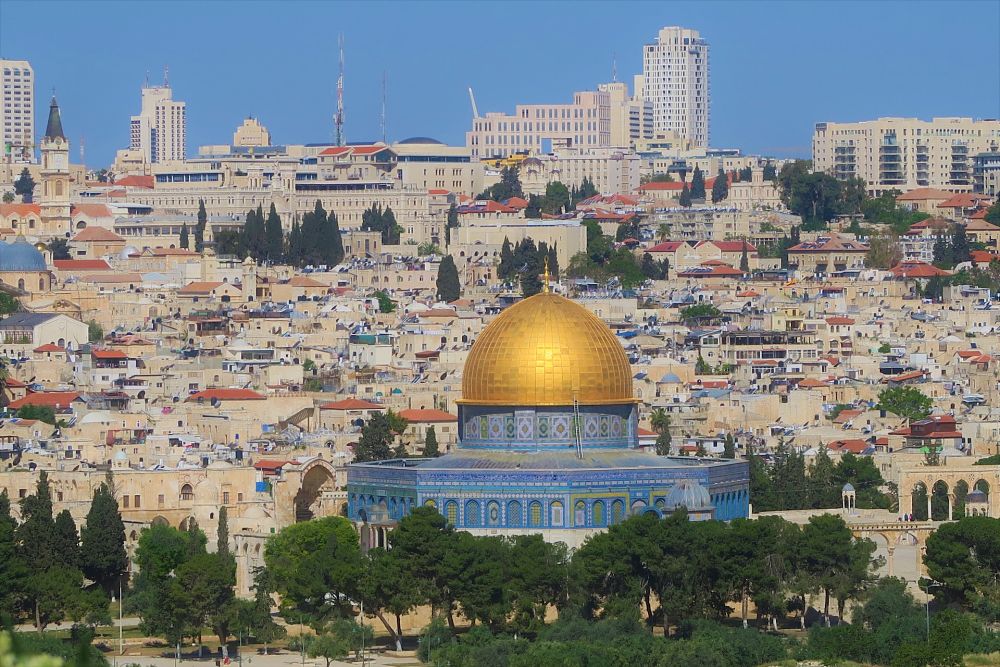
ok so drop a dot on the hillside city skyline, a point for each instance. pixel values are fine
(300, 104)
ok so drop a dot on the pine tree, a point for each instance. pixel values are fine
(430, 443)
(66, 540)
(274, 238)
(720, 187)
(199, 230)
(184, 236)
(222, 533)
(24, 186)
(685, 198)
(390, 228)
(375, 441)
(649, 267)
(960, 249)
(698, 184)
(449, 287)
(102, 549)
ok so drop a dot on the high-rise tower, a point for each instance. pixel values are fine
(159, 132)
(17, 110)
(675, 76)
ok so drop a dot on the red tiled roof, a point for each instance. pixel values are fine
(854, 446)
(839, 320)
(731, 246)
(108, 354)
(428, 354)
(270, 464)
(516, 202)
(438, 191)
(661, 186)
(427, 416)
(20, 210)
(920, 194)
(845, 416)
(199, 287)
(711, 270)
(15, 383)
(964, 200)
(135, 182)
(810, 383)
(666, 246)
(97, 234)
(747, 294)
(917, 269)
(92, 210)
(48, 347)
(437, 312)
(81, 265)
(983, 256)
(830, 243)
(909, 375)
(980, 225)
(47, 398)
(336, 150)
(368, 150)
(351, 404)
(227, 395)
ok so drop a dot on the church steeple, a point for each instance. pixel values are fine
(53, 130)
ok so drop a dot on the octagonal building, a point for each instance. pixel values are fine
(548, 442)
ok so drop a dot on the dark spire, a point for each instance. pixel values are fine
(54, 128)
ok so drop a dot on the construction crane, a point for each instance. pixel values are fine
(339, 118)
(472, 98)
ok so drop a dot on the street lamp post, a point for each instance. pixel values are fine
(927, 604)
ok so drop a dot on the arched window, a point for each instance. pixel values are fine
(451, 512)
(535, 514)
(187, 493)
(473, 515)
(59, 188)
(20, 284)
(514, 519)
(580, 513)
(41, 283)
(493, 513)
(617, 511)
(598, 512)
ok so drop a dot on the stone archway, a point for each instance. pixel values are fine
(317, 478)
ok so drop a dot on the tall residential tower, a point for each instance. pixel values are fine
(17, 110)
(159, 132)
(675, 80)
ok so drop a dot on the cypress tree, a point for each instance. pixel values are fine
(102, 550)
(698, 184)
(273, 237)
(685, 198)
(390, 229)
(729, 448)
(222, 534)
(431, 443)
(745, 259)
(554, 262)
(448, 286)
(12, 569)
(184, 236)
(199, 230)
(294, 254)
(66, 540)
(506, 260)
(36, 534)
(720, 187)
(334, 241)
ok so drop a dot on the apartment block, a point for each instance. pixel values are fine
(17, 110)
(631, 116)
(540, 128)
(905, 153)
(675, 80)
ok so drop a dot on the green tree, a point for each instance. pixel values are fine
(685, 197)
(448, 286)
(199, 230)
(729, 447)
(993, 213)
(66, 540)
(744, 259)
(13, 570)
(24, 186)
(274, 240)
(430, 443)
(450, 223)
(960, 249)
(328, 646)
(44, 413)
(184, 236)
(423, 540)
(839, 565)
(8, 198)
(59, 248)
(698, 184)
(907, 402)
(556, 199)
(883, 251)
(720, 187)
(387, 587)
(222, 533)
(700, 312)
(95, 334)
(385, 303)
(102, 550)
(375, 443)
(316, 567)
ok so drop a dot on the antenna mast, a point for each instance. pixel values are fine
(385, 88)
(82, 160)
(614, 68)
(339, 119)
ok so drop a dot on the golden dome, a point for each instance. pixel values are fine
(547, 350)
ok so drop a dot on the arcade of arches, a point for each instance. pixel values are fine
(944, 493)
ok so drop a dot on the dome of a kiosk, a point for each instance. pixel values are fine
(547, 350)
(422, 140)
(21, 256)
(690, 495)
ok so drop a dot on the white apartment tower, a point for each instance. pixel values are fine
(17, 110)
(159, 132)
(675, 81)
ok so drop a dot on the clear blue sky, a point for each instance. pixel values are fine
(777, 67)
